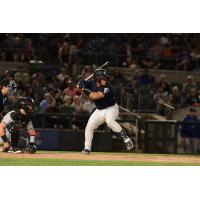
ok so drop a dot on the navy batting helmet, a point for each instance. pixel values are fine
(101, 74)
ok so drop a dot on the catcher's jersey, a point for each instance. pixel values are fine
(107, 90)
(16, 121)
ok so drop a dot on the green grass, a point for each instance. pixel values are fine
(65, 162)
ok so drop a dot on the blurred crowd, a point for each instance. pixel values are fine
(56, 91)
(153, 51)
(175, 94)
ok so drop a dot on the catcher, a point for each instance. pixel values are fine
(11, 125)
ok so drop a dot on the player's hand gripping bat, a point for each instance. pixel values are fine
(101, 67)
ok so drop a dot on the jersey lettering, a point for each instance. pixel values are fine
(106, 90)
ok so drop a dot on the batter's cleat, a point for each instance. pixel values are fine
(86, 152)
(129, 143)
(15, 150)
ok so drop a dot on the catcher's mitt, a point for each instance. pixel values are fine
(30, 148)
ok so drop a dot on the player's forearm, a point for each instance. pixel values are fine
(3, 134)
(2, 130)
(96, 95)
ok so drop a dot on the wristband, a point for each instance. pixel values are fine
(4, 138)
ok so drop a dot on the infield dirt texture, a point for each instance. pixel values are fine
(55, 158)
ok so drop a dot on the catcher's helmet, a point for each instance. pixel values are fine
(101, 74)
(26, 103)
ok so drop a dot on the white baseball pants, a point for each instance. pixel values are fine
(98, 117)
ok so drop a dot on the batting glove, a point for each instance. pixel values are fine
(82, 84)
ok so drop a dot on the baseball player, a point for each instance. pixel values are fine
(107, 110)
(11, 124)
(7, 88)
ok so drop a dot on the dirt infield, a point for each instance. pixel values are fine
(109, 156)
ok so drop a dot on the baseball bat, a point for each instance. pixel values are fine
(128, 111)
(166, 104)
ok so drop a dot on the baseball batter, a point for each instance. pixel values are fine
(107, 110)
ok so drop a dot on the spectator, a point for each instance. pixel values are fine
(148, 62)
(68, 106)
(38, 86)
(175, 98)
(29, 50)
(134, 83)
(117, 78)
(88, 104)
(59, 98)
(66, 83)
(22, 75)
(63, 54)
(131, 63)
(155, 51)
(190, 132)
(147, 79)
(87, 71)
(71, 90)
(193, 98)
(7, 75)
(160, 95)
(167, 51)
(62, 75)
(195, 54)
(77, 103)
(69, 109)
(188, 85)
(47, 103)
(162, 83)
(18, 49)
(184, 61)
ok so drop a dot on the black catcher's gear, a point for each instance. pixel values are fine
(3, 98)
(30, 148)
(11, 84)
(27, 104)
(101, 74)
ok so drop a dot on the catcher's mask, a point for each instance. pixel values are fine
(12, 87)
(27, 104)
(10, 84)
